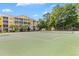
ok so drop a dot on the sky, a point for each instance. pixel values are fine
(34, 11)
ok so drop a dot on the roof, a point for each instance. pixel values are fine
(23, 17)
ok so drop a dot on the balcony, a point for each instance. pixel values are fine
(5, 18)
(5, 22)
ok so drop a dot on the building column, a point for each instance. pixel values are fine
(2, 29)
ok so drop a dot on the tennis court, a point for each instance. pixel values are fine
(56, 43)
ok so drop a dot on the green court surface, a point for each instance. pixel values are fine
(39, 44)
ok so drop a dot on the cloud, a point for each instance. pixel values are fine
(22, 4)
(35, 15)
(45, 12)
(6, 10)
(26, 4)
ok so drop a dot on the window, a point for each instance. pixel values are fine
(5, 25)
(5, 21)
(5, 17)
(0, 25)
(25, 22)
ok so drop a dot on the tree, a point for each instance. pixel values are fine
(61, 18)
(64, 17)
(56, 17)
(70, 16)
(46, 18)
(12, 27)
(77, 7)
(24, 27)
(42, 24)
(77, 10)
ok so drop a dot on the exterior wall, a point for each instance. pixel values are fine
(33, 24)
(9, 23)
(5, 23)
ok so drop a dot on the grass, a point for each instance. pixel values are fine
(40, 44)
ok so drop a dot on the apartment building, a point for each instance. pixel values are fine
(5, 22)
(8, 22)
(33, 24)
